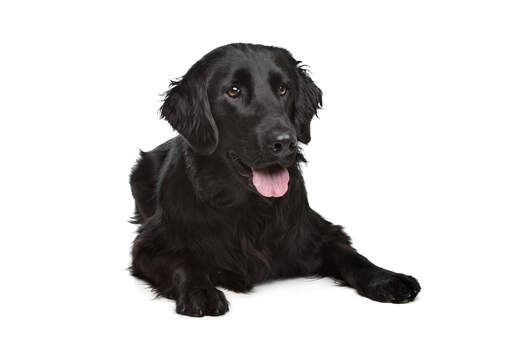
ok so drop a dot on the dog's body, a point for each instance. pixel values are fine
(224, 204)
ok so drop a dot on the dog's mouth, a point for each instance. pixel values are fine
(269, 181)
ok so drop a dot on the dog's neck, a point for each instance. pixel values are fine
(213, 180)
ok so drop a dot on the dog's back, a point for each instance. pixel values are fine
(144, 179)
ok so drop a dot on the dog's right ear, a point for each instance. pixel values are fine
(187, 109)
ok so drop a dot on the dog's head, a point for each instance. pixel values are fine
(250, 104)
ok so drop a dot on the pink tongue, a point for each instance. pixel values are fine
(271, 184)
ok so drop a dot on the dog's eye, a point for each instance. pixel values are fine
(283, 90)
(234, 91)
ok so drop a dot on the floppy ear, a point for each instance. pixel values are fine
(187, 109)
(307, 101)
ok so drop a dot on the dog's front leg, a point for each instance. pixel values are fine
(341, 261)
(176, 275)
(195, 294)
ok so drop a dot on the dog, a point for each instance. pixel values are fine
(224, 204)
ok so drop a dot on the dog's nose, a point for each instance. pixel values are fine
(283, 144)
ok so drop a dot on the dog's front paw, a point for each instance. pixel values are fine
(388, 286)
(201, 301)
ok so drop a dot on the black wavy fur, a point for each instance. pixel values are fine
(203, 224)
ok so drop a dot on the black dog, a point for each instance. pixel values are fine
(224, 203)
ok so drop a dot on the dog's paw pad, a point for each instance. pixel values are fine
(392, 287)
(199, 302)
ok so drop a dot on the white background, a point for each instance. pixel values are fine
(412, 153)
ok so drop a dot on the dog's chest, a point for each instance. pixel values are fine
(255, 248)
(246, 244)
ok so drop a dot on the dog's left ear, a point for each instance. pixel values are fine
(307, 101)
(187, 108)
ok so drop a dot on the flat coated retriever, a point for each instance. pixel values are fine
(224, 203)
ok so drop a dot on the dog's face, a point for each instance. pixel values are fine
(250, 104)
